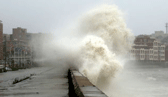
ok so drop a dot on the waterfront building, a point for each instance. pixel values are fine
(146, 48)
(16, 46)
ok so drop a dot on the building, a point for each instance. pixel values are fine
(19, 33)
(1, 40)
(16, 46)
(166, 53)
(146, 48)
(159, 33)
(161, 36)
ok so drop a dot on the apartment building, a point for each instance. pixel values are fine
(146, 48)
(19, 33)
(16, 46)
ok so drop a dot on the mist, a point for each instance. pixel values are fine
(94, 45)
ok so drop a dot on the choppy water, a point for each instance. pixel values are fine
(140, 80)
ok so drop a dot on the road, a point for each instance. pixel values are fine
(49, 81)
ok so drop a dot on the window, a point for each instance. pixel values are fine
(155, 43)
(155, 48)
(151, 52)
(163, 48)
(155, 52)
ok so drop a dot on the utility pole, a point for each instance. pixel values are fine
(166, 27)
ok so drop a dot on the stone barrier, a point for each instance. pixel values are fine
(80, 86)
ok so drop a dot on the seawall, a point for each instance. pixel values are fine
(80, 86)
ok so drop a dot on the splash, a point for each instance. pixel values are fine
(107, 39)
(99, 64)
(95, 46)
(108, 23)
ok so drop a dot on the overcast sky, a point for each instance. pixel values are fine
(142, 16)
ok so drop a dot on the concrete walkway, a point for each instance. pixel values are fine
(46, 82)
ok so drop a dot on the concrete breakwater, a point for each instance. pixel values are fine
(80, 86)
(47, 82)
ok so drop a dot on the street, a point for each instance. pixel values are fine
(35, 82)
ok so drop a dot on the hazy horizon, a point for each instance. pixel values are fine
(142, 17)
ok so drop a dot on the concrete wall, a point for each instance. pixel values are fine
(80, 86)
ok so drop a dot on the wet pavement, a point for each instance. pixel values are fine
(41, 82)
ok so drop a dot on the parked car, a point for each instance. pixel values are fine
(8, 68)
